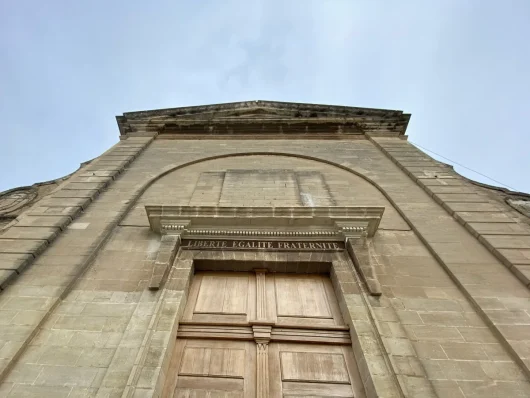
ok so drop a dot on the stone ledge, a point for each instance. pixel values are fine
(76, 193)
(98, 173)
(42, 233)
(42, 223)
(452, 256)
(52, 221)
(14, 261)
(49, 211)
(65, 202)
(22, 246)
(75, 186)
(451, 202)
(5, 277)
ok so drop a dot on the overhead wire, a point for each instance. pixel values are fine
(461, 165)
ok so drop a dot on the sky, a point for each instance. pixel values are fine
(460, 67)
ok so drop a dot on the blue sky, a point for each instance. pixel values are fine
(461, 67)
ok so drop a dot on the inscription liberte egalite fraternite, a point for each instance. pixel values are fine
(220, 244)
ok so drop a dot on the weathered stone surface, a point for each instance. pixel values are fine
(68, 211)
(18, 262)
(22, 246)
(77, 193)
(50, 221)
(452, 319)
(6, 276)
(65, 202)
(45, 233)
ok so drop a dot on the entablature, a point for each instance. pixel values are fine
(324, 223)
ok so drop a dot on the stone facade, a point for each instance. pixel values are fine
(434, 286)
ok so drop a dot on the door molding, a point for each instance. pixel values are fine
(352, 225)
(351, 272)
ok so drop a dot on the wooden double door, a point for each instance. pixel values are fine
(262, 335)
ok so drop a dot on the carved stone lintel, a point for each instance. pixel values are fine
(279, 222)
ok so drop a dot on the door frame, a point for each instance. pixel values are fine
(351, 294)
(349, 265)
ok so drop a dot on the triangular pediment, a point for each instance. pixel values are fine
(380, 121)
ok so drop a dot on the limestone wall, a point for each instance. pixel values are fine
(453, 319)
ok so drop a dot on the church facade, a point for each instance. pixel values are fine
(264, 249)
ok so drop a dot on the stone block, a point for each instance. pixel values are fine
(516, 256)
(96, 357)
(83, 179)
(452, 181)
(489, 389)
(523, 273)
(22, 246)
(499, 228)
(39, 391)
(429, 350)
(51, 221)
(472, 207)
(56, 376)
(101, 169)
(77, 193)
(487, 217)
(15, 261)
(509, 242)
(90, 173)
(112, 163)
(6, 276)
(515, 332)
(116, 157)
(67, 211)
(65, 202)
(42, 233)
(464, 351)
(447, 389)
(503, 371)
(452, 189)
(435, 333)
(460, 198)
(84, 186)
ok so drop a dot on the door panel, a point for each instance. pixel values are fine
(305, 300)
(211, 368)
(313, 367)
(291, 389)
(313, 370)
(294, 319)
(221, 297)
(301, 296)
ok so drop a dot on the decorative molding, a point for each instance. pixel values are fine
(261, 296)
(207, 119)
(166, 254)
(258, 233)
(333, 222)
(262, 336)
(259, 330)
(360, 253)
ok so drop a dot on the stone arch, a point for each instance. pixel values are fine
(136, 214)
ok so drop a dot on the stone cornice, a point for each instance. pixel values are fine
(333, 223)
(265, 113)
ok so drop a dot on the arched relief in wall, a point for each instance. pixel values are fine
(263, 180)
